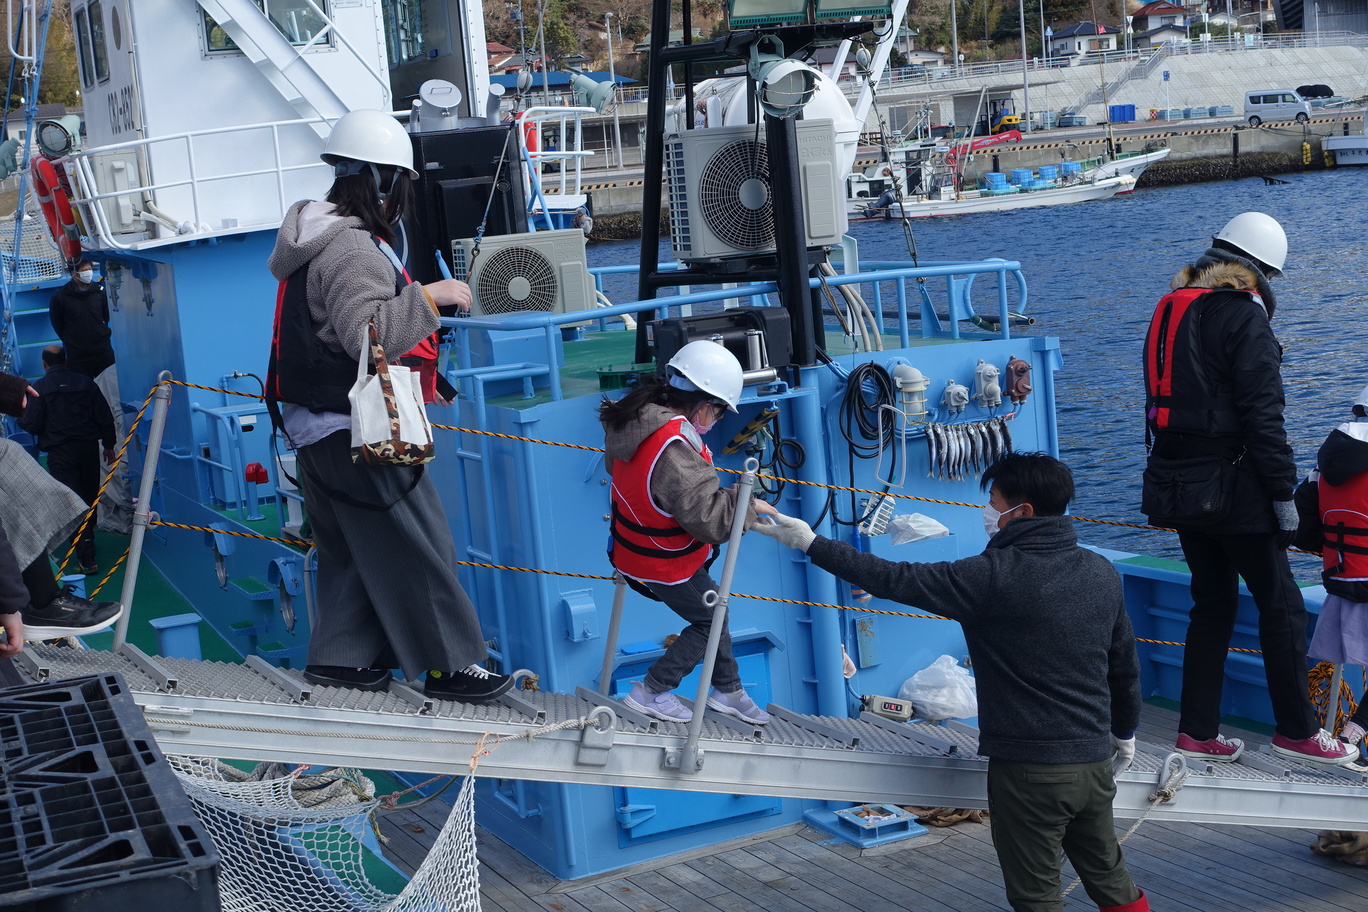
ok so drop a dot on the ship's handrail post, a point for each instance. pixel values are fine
(691, 760)
(614, 622)
(143, 514)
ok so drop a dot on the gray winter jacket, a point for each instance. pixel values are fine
(350, 281)
(1051, 643)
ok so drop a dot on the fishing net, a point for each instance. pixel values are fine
(301, 843)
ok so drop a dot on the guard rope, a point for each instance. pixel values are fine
(1172, 775)
(815, 484)
(607, 577)
(1320, 677)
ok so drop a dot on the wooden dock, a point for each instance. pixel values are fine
(1183, 868)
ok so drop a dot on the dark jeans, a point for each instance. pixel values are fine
(1217, 562)
(40, 582)
(1037, 810)
(76, 464)
(684, 654)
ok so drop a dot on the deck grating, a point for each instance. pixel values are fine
(1183, 867)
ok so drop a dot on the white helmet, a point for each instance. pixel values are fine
(707, 366)
(370, 136)
(1259, 236)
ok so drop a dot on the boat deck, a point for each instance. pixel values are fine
(1184, 867)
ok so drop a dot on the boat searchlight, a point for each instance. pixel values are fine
(591, 93)
(784, 86)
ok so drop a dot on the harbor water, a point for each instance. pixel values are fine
(1094, 272)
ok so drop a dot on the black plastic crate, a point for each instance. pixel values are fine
(91, 815)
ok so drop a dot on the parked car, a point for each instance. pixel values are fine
(1275, 104)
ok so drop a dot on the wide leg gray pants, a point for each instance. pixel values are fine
(387, 588)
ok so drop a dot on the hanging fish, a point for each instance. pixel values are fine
(932, 451)
(960, 451)
(994, 441)
(1006, 437)
(976, 431)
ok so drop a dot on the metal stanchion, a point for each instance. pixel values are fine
(143, 514)
(691, 760)
(610, 647)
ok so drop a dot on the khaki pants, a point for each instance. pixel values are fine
(1038, 810)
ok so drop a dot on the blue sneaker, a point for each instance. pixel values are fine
(737, 704)
(661, 706)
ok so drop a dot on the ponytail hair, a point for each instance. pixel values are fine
(617, 414)
(357, 195)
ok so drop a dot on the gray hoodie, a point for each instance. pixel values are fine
(350, 281)
(683, 484)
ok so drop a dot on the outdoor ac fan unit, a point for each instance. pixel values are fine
(543, 271)
(720, 199)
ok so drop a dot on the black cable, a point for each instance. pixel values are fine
(860, 408)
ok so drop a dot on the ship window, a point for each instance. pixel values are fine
(295, 19)
(83, 59)
(97, 42)
(403, 30)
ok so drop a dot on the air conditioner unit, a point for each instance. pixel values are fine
(719, 190)
(543, 271)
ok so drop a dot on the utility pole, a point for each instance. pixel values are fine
(612, 75)
(954, 37)
(1025, 75)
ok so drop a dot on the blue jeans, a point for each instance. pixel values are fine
(684, 654)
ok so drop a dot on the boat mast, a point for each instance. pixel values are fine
(1102, 74)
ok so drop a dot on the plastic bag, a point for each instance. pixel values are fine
(942, 690)
(910, 527)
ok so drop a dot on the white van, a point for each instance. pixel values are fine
(1269, 105)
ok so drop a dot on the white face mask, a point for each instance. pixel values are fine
(85, 276)
(991, 517)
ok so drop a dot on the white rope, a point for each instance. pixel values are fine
(1172, 775)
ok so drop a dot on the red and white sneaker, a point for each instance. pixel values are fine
(1322, 747)
(1219, 749)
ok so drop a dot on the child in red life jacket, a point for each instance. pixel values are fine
(1334, 507)
(668, 513)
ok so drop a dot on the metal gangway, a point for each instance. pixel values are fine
(257, 712)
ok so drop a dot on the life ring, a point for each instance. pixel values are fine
(52, 199)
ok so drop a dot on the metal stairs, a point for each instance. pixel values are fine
(280, 61)
(255, 711)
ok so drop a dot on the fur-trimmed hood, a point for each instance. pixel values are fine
(1218, 268)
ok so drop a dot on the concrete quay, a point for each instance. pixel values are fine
(1202, 151)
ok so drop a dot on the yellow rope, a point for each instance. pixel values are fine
(593, 576)
(109, 476)
(1346, 704)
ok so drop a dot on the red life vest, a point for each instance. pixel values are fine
(1179, 393)
(1344, 521)
(648, 545)
(422, 356)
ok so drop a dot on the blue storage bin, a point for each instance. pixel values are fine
(1066, 168)
(1049, 173)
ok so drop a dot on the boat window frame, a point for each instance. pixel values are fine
(403, 17)
(227, 45)
(98, 49)
(85, 65)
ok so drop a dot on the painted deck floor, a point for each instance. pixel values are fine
(1183, 868)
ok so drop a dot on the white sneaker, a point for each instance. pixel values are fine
(737, 704)
(1352, 733)
(661, 706)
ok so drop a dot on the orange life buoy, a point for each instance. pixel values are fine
(52, 199)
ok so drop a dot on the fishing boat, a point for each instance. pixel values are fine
(1349, 150)
(179, 195)
(937, 186)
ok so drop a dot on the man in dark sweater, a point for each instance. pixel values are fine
(1055, 666)
(79, 312)
(72, 421)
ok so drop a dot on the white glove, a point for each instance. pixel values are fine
(788, 530)
(1124, 756)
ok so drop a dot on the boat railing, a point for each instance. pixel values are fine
(198, 193)
(556, 172)
(895, 291)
